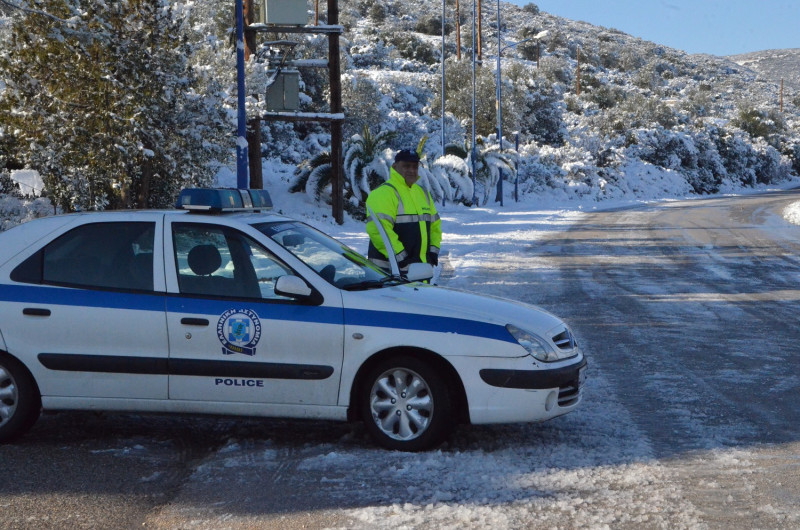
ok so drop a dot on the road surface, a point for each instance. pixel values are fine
(688, 313)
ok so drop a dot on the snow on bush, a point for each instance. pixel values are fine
(14, 211)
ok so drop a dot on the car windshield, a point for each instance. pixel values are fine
(336, 263)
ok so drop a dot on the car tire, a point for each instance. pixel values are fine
(406, 404)
(20, 402)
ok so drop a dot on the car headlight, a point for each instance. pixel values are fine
(533, 344)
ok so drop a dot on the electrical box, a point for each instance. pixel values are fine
(284, 93)
(283, 12)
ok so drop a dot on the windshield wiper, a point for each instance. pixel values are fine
(374, 284)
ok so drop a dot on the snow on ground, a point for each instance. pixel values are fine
(590, 469)
(792, 213)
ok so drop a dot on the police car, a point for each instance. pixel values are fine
(222, 307)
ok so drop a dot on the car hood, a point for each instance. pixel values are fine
(447, 302)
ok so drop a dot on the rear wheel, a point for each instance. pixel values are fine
(406, 405)
(19, 399)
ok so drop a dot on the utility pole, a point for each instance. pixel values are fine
(241, 139)
(458, 33)
(781, 96)
(249, 37)
(578, 84)
(480, 33)
(316, 12)
(254, 125)
(337, 180)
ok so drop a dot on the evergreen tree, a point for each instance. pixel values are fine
(102, 96)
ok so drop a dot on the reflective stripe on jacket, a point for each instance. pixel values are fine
(410, 219)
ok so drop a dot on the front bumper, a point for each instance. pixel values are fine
(517, 390)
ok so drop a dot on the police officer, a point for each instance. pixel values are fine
(408, 215)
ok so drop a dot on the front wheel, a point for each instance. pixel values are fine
(20, 403)
(406, 405)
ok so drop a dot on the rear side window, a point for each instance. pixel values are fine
(98, 255)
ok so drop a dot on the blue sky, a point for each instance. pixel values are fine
(720, 27)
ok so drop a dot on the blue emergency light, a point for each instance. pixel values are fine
(218, 200)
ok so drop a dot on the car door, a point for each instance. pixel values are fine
(232, 338)
(88, 311)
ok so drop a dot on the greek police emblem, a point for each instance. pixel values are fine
(239, 331)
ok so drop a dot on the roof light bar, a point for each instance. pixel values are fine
(219, 200)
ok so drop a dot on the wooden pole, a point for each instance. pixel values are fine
(458, 32)
(254, 154)
(337, 182)
(249, 36)
(480, 40)
(316, 12)
(781, 96)
(578, 85)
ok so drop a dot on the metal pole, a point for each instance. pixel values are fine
(241, 140)
(472, 150)
(444, 4)
(443, 28)
(499, 108)
(516, 177)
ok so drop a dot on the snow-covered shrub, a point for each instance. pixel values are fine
(531, 8)
(7, 185)
(432, 25)
(532, 106)
(411, 47)
(14, 210)
(759, 123)
(695, 157)
(361, 101)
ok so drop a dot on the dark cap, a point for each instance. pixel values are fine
(406, 155)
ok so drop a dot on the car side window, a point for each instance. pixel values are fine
(219, 261)
(112, 255)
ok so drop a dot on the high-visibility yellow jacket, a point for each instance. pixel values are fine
(409, 217)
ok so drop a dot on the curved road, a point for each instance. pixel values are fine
(690, 309)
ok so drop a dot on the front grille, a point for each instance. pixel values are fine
(564, 340)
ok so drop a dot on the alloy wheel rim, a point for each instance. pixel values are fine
(401, 404)
(9, 396)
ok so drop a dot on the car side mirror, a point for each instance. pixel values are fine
(418, 272)
(293, 287)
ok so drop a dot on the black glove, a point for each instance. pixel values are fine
(403, 264)
(433, 258)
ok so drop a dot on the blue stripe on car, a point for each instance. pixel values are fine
(417, 322)
(275, 311)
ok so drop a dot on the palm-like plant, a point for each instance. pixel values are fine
(447, 177)
(489, 160)
(366, 162)
(312, 176)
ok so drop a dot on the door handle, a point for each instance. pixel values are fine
(194, 321)
(36, 312)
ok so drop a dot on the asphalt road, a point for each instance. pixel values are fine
(688, 309)
(692, 311)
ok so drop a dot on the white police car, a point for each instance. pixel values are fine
(218, 310)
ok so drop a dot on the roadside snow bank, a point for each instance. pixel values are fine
(792, 213)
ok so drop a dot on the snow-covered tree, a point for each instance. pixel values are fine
(103, 98)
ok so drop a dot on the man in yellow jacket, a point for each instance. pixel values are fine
(408, 215)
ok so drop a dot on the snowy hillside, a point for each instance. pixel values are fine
(644, 120)
(774, 65)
